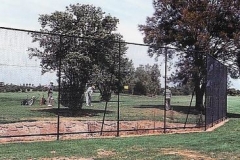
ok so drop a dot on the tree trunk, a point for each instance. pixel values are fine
(199, 96)
(105, 92)
(200, 85)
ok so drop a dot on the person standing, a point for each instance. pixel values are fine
(168, 99)
(88, 95)
(50, 94)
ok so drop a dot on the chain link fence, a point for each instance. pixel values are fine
(130, 95)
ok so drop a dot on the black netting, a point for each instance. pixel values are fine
(216, 91)
(130, 87)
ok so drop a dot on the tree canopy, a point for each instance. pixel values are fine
(195, 27)
(82, 40)
(147, 80)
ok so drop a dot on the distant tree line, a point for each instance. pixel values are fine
(23, 88)
(138, 86)
(233, 92)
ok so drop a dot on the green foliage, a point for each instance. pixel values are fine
(182, 90)
(233, 92)
(106, 74)
(194, 27)
(139, 89)
(147, 80)
(90, 59)
(73, 83)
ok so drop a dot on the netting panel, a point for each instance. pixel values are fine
(216, 91)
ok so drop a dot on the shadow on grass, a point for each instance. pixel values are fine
(180, 109)
(233, 115)
(150, 106)
(15, 121)
(111, 101)
(65, 112)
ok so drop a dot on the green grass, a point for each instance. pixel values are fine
(131, 108)
(223, 143)
(134, 107)
(11, 109)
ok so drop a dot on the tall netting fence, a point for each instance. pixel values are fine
(24, 87)
(141, 102)
(130, 89)
(179, 92)
(216, 92)
(145, 100)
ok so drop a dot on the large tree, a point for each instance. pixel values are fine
(195, 27)
(147, 80)
(83, 38)
(111, 69)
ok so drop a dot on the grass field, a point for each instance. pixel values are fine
(223, 143)
(131, 108)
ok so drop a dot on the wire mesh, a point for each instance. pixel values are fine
(216, 91)
(130, 87)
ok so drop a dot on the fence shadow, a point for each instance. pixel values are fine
(149, 106)
(65, 112)
(233, 115)
(185, 109)
(177, 108)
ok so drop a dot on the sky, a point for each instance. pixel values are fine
(24, 14)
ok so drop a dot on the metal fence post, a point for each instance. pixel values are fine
(119, 74)
(206, 91)
(165, 88)
(59, 87)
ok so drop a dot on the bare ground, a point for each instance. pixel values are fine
(67, 126)
(186, 154)
(24, 131)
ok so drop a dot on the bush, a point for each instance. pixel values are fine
(72, 95)
(139, 89)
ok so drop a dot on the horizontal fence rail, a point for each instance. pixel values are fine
(45, 79)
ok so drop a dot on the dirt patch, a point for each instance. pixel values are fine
(77, 129)
(101, 153)
(217, 125)
(66, 158)
(187, 154)
(104, 153)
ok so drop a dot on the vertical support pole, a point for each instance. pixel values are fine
(165, 88)
(206, 92)
(59, 86)
(213, 104)
(104, 115)
(119, 67)
(218, 92)
(225, 96)
(189, 109)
